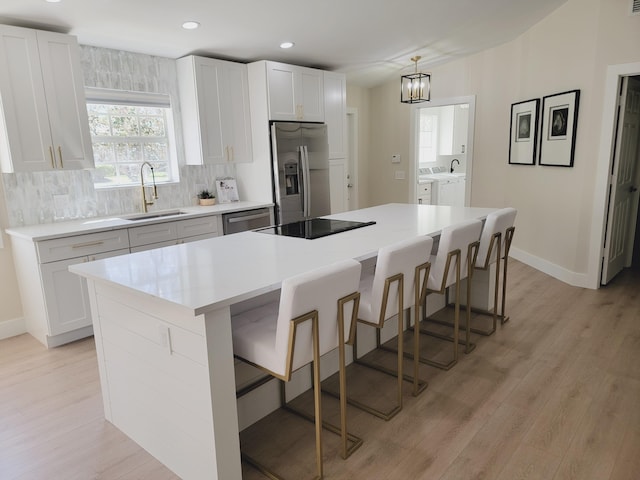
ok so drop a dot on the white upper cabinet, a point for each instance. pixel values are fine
(214, 98)
(43, 122)
(335, 110)
(453, 121)
(294, 93)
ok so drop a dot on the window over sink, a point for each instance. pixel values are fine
(127, 129)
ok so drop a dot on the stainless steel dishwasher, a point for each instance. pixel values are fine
(245, 220)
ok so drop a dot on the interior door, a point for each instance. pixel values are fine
(623, 196)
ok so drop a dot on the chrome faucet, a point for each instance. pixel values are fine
(454, 160)
(154, 195)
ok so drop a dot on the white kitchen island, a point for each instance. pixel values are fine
(162, 327)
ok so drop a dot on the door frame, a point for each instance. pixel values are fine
(413, 163)
(352, 159)
(613, 78)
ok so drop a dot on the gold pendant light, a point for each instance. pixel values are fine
(415, 87)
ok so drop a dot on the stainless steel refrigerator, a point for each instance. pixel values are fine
(300, 161)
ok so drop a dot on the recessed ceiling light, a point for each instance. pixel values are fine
(52, 1)
(287, 44)
(190, 25)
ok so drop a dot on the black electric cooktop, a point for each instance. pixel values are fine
(314, 228)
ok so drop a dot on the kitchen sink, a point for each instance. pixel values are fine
(150, 215)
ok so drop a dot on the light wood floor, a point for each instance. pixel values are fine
(553, 394)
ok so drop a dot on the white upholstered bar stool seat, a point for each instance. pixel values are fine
(452, 262)
(307, 322)
(398, 283)
(495, 242)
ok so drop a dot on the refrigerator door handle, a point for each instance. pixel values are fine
(302, 178)
(307, 182)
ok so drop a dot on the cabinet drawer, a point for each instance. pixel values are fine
(156, 233)
(81, 245)
(197, 226)
(424, 189)
(152, 246)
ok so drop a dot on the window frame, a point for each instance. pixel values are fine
(106, 96)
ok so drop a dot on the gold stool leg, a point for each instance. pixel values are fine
(398, 373)
(350, 443)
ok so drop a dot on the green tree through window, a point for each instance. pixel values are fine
(124, 136)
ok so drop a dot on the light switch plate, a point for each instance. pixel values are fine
(399, 174)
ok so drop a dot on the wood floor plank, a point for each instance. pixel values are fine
(627, 466)
(529, 463)
(599, 436)
(492, 447)
(553, 394)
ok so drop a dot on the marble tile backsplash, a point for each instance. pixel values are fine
(45, 197)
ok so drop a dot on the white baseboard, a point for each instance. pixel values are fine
(12, 328)
(567, 276)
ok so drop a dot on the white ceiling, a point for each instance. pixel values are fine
(369, 40)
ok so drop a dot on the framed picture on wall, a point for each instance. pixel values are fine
(523, 133)
(559, 125)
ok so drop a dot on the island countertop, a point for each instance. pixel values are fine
(163, 322)
(218, 272)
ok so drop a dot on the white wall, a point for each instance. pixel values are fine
(11, 322)
(570, 49)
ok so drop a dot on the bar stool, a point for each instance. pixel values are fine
(496, 237)
(457, 248)
(399, 279)
(308, 322)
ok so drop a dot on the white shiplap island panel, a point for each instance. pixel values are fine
(163, 327)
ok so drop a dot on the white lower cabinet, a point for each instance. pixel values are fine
(55, 301)
(424, 193)
(159, 235)
(65, 294)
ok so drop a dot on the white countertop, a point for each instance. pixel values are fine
(208, 274)
(99, 224)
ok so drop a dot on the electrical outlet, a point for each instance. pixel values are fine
(395, 158)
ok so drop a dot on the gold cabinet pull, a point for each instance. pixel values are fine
(88, 244)
(53, 160)
(60, 155)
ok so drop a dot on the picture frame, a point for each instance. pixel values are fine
(227, 190)
(523, 132)
(559, 126)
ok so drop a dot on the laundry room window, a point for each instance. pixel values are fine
(428, 137)
(128, 129)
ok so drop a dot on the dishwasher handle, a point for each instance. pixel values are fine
(244, 218)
